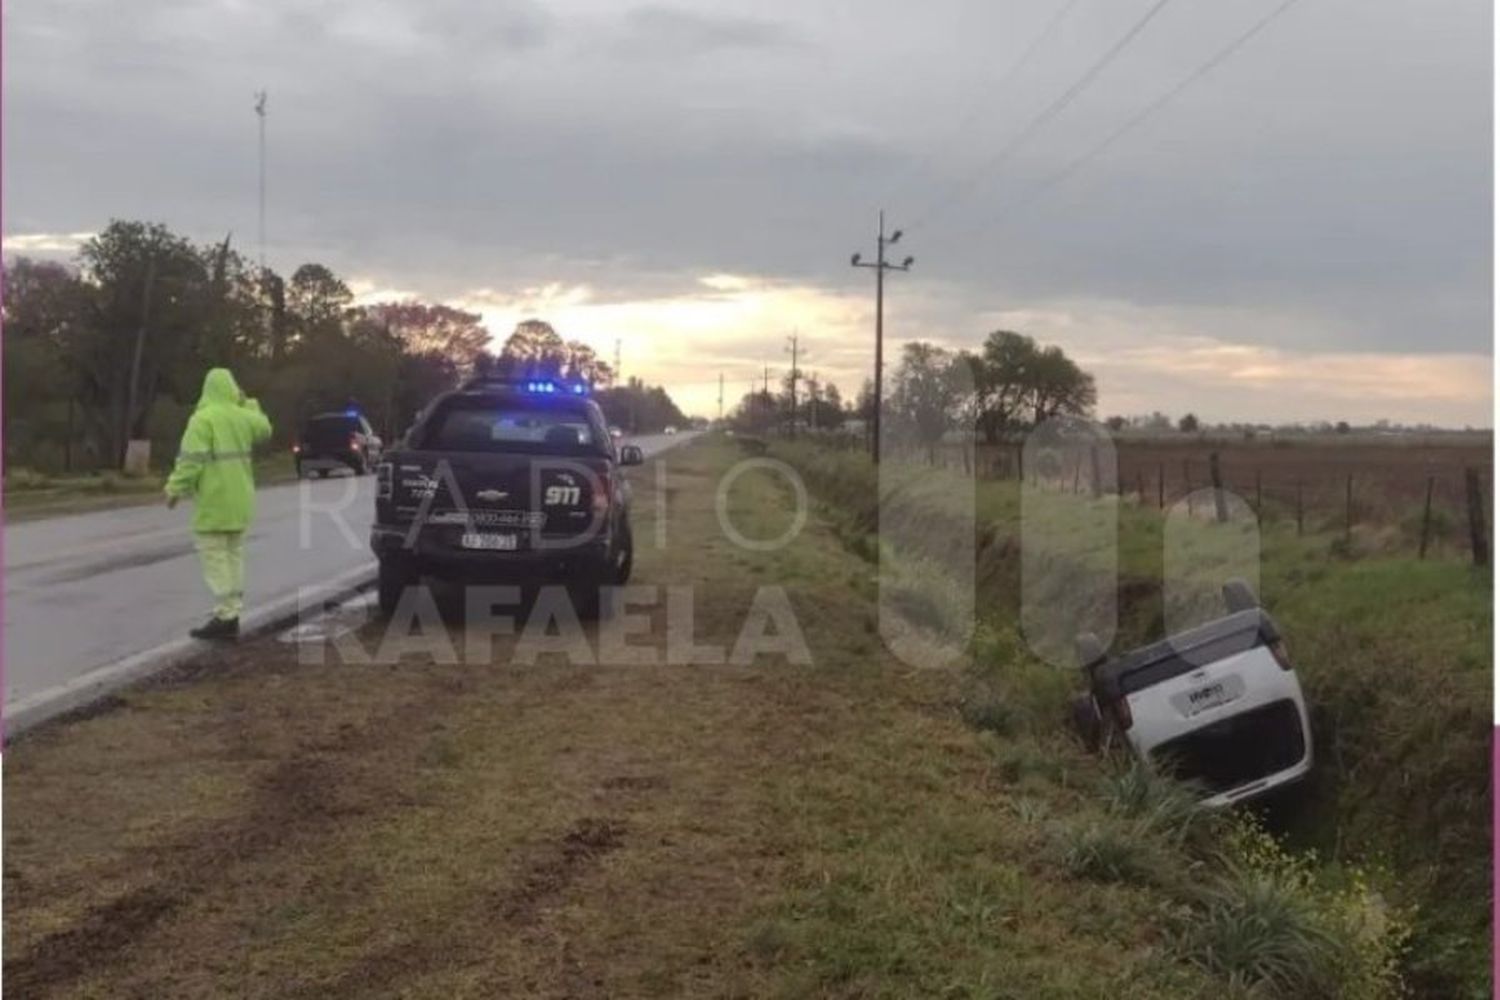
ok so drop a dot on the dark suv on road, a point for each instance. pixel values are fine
(506, 481)
(331, 441)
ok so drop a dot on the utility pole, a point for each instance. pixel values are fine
(792, 346)
(880, 266)
(721, 397)
(260, 113)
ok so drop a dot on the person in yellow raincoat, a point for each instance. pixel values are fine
(214, 468)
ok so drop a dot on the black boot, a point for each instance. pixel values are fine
(218, 628)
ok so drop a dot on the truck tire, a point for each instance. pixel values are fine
(1238, 596)
(625, 558)
(391, 582)
(1090, 651)
(1087, 722)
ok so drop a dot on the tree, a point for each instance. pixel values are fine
(1017, 382)
(1188, 424)
(1058, 387)
(926, 391)
(1115, 424)
(148, 295)
(535, 349)
(318, 301)
(583, 364)
(45, 306)
(459, 338)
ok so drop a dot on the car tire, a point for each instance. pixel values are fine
(625, 558)
(1090, 651)
(1238, 596)
(1087, 722)
(391, 581)
(587, 600)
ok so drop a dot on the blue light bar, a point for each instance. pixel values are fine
(547, 387)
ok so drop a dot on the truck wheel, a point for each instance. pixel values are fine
(625, 558)
(1087, 722)
(1238, 596)
(1090, 653)
(393, 579)
(586, 600)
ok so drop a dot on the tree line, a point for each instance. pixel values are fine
(1011, 383)
(113, 347)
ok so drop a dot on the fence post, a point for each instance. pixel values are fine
(1258, 515)
(1161, 486)
(1349, 508)
(1478, 543)
(1426, 520)
(1299, 508)
(1221, 510)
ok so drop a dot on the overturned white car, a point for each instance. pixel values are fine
(1218, 705)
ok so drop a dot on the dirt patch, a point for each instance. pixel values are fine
(584, 843)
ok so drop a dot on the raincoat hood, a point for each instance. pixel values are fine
(214, 462)
(220, 389)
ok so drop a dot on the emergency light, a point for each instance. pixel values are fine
(552, 388)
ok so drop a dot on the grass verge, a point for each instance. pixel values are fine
(1397, 814)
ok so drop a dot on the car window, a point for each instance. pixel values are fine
(476, 426)
(329, 425)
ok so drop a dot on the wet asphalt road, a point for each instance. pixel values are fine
(87, 589)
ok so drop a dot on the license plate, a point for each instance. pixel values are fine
(475, 540)
(1211, 695)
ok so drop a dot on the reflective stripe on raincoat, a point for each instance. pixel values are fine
(214, 461)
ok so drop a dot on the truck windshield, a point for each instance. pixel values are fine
(495, 426)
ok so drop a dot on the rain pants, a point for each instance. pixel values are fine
(214, 469)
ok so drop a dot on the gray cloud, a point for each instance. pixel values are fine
(1338, 170)
(656, 31)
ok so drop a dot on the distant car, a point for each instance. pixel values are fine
(670, 430)
(331, 441)
(615, 432)
(502, 481)
(1218, 705)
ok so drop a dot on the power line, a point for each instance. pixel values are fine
(1048, 113)
(978, 104)
(1207, 67)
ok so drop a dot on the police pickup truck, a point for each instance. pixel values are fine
(506, 481)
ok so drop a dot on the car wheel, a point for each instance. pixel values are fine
(625, 558)
(1238, 596)
(1087, 722)
(586, 600)
(391, 582)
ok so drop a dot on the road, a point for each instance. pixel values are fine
(85, 590)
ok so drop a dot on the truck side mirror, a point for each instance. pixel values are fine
(631, 454)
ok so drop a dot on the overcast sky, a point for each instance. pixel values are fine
(1303, 233)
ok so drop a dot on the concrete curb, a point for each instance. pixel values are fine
(85, 689)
